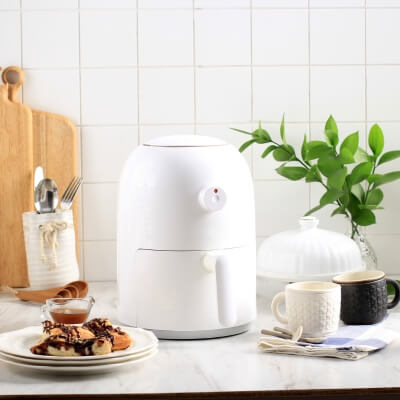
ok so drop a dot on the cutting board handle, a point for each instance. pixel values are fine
(13, 77)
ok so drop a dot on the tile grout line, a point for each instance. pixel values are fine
(82, 249)
(194, 69)
(138, 138)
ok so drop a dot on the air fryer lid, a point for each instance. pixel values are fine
(185, 141)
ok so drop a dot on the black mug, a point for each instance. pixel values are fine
(364, 297)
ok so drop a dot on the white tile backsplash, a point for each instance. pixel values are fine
(222, 37)
(171, 43)
(100, 260)
(99, 211)
(274, 31)
(10, 38)
(383, 32)
(109, 96)
(128, 71)
(223, 94)
(112, 4)
(108, 38)
(55, 90)
(279, 205)
(50, 39)
(383, 93)
(10, 4)
(165, 4)
(336, 3)
(105, 150)
(222, 3)
(339, 91)
(150, 132)
(280, 3)
(337, 36)
(48, 4)
(166, 95)
(279, 90)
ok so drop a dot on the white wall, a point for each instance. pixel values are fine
(126, 72)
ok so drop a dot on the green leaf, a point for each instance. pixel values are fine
(283, 153)
(268, 150)
(304, 148)
(339, 210)
(390, 289)
(358, 191)
(245, 145)
(261, 135)
(316, 149)
(346, 157)
(350, 143)
(316, 208)
(292, 173)
(331, 131)
(376, 140)
(374, 197)
(365, 217)
(240, 131)
(360, 172)
(330, 196)
(362, 156)
(389, 156)
(337, 178)
(282, 129)
(353, 206)
(313, 175)
(328, 164)
(379, 180)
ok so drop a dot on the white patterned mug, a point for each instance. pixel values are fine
(313, 305)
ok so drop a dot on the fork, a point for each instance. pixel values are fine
(70, 192)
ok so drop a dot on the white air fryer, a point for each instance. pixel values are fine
(186, 239)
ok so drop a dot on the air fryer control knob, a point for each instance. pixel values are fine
(212, 198)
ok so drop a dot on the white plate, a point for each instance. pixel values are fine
(80, 360)
(77, 370)
(19, 342)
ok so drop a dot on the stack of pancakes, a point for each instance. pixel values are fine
(96, 337)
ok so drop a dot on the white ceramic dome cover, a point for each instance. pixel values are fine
(308, 252)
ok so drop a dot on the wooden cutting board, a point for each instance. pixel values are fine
(55, 145)
(16, 183)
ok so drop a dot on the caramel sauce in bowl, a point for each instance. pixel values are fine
(66, 315)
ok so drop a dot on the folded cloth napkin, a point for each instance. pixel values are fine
(350, 342)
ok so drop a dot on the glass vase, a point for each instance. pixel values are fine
(358, 234)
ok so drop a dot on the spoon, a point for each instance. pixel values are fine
(46, 196)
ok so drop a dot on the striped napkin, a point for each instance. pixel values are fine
(350, 342)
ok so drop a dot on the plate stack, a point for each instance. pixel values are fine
(15, 345)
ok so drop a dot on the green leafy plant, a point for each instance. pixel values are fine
(346, 171)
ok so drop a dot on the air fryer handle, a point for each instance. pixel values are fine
(225, 291)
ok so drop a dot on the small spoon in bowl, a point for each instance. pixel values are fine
(46, 196)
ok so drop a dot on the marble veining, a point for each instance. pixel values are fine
(224, 364)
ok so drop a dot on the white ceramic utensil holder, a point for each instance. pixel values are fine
(50, 248)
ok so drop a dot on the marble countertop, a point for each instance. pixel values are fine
(226, 364)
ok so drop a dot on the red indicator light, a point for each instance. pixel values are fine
(215, 190)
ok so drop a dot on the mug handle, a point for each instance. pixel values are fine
(275, 307)
(396, 287)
